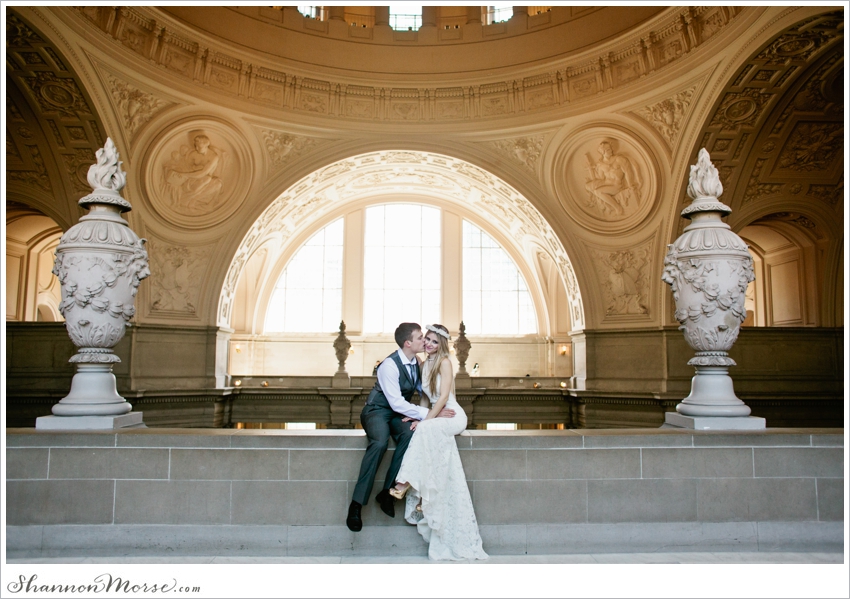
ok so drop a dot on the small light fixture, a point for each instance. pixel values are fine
(264, 384)
(238, 348)
(563, 385)
(237, 383)
(563, 350)
(536, 385)
(351, 352)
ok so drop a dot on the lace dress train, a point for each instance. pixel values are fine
(433, 468)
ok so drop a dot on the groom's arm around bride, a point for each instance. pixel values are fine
(382, 417)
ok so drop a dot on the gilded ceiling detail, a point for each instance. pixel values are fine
(285, 147)
(135, 106)
(668, 115)
(778, 129)
(69, 127)
(524, 151)
(139, 31)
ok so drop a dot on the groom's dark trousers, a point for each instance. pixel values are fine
(380, 423)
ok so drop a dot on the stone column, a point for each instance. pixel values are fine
(473, 15)
(708, 269)
(382, 16)
(336, 13)
(429, 16)
(100, 262)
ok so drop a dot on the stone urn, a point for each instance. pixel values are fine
(100, 262)
(708, 268)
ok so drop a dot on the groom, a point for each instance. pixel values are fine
(389, 402)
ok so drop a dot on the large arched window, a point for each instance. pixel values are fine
(401, 266)
(401, 262)
(496, 300)
(308, 295)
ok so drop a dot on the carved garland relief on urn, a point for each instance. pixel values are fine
(198, 174)
(605, 180)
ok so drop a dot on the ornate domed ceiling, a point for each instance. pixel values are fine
(336, 48)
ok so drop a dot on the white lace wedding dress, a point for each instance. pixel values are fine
(432, 467)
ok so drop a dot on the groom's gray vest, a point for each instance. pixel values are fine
(407, 386)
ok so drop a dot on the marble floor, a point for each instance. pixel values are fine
(580, 558)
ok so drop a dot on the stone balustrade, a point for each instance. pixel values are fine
(285, 493)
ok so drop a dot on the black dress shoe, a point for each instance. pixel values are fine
(353, 521)
(387, 503)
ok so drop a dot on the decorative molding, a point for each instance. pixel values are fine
(70, 128)
(36, 176)
(198, 173)
(402, 172)
(624, 278)
(668, 115)
(135, 106)
(524, 151)
(285, 147)
(812, 146)
(149, 34)
(792, 77)
(179, 269)
(606, 179)
(77, 163)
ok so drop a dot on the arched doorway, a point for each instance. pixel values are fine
(460, 193)
(32, 292)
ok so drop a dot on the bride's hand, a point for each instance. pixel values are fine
(413, 424)
(446, 413)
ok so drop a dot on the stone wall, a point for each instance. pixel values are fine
(190, 492)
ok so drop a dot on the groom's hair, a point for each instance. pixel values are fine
(405, 331)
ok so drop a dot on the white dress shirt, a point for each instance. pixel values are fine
(388, 379)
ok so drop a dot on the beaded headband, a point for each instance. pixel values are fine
(440, 332)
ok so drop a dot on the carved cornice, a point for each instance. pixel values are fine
(155, 37)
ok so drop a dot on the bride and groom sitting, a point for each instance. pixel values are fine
(426, 466)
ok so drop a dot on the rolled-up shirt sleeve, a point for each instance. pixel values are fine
(388, 379)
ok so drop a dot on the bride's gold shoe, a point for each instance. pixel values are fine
(399, 493)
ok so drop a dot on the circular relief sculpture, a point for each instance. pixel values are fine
(605, 180)
(198, 173)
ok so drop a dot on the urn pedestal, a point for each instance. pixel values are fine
(709, 268)
(100, 262)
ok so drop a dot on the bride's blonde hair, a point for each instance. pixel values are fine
(442, 352)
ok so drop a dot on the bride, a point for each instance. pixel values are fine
(431, 475)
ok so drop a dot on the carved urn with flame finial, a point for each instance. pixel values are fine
(709, 268)
(100, 262)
